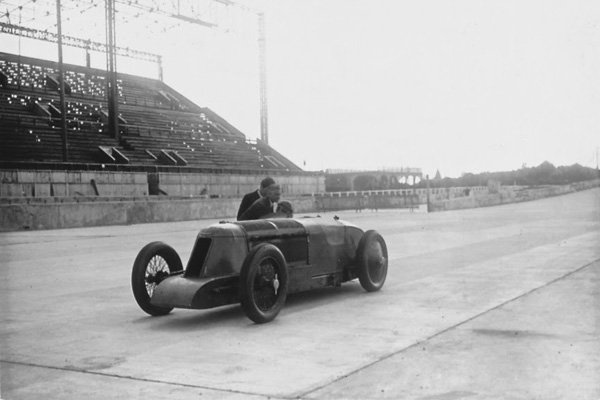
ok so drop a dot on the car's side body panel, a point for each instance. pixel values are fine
(318, 253)
(198, 293)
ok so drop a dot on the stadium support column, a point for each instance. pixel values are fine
(264, 125)
(111, 70)
(61, 81)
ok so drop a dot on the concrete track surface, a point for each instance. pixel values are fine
(491, 303)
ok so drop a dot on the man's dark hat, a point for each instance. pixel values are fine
(265, 183)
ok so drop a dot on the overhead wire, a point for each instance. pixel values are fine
(164, 23)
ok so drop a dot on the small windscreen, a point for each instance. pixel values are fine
(258, 225)
(275, 226)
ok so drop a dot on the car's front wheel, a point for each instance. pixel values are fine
(155, 262)
(263, 283)
(372, 261)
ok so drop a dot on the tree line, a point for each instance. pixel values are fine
(544, 174)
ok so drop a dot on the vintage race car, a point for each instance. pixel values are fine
(258, 263)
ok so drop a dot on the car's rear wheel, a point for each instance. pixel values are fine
(263, 283)
(155, 262)
(372, 261)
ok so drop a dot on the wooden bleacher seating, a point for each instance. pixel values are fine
(158, 125)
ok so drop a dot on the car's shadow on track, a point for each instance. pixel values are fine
(193, 320)
(182, 320)
(319, 297)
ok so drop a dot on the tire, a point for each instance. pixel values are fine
(372, 261)
(263, 283)
(153, 264)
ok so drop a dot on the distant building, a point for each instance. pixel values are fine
(337, 180)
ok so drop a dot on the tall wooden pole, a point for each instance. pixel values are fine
(264, 121)
(61, 81)
(111, 56)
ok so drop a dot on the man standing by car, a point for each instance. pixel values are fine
(264, 206)
(250, 198)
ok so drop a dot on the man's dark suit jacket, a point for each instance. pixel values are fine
(247, 201)
(258, 209)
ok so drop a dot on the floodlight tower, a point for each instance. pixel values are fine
(262, 67)
(111, 70)
(264, 122)
(61, 80)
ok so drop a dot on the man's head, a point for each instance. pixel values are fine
(264, 185)
(285, 207)
(273, 192)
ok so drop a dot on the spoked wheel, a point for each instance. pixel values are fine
(263, 283)
(372, 261)
(155, 262)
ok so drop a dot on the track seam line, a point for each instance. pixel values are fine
(306, 393)
(187, 385)
(301, 395)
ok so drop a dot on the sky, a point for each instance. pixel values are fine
(456, 86)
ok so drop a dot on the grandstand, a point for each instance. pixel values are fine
(83, 146)
(158, 126)
(171, 160)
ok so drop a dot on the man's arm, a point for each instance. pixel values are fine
(243, 207)
(247, 201)
(255, 211)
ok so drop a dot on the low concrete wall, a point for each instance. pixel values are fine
(71, 214)
(50, 199)
(508, 195)
(392, 198)
(52, 183)
(371, 201)
(47, 183)
(54, 213)
(235, 185)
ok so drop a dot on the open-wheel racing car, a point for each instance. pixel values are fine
(258, 263)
